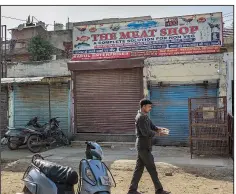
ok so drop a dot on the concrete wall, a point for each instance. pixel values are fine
(57, 38)
(228, 58)
(229, 43)
(187, 69)
(38, 69)
(27, 33)
(21, 58)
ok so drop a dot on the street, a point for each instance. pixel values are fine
(176, 172)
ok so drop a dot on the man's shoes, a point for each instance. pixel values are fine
(164, 192)
(134, 193)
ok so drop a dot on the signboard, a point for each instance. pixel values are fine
(208, 113)
(195, 34)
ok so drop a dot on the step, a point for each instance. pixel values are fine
(129, 145)
(100, 137)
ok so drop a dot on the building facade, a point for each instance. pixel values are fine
(19, 42)
(39, 89)
(106, 92)
(228, 59)
(116, 63)
(171, 81)
(61, 39)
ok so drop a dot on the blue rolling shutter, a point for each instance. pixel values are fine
(170, 110)
(33, 100)
(30, 101)
(60, 105)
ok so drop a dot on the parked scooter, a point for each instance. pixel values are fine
(95, 176)
(51, 134)
(44, 177)
(16, 137)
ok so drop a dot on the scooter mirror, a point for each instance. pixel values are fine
(37, 156)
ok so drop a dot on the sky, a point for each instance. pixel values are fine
(60, 14)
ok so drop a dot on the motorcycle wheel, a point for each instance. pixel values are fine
(52, 142)
(34, 139)
(12, 146)
(64, 139)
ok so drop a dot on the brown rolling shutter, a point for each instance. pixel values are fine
(107, 100)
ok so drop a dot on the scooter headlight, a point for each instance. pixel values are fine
(89, 174)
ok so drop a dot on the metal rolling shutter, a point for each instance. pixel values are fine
(30, 101)
(33, 100)
(107, 100)
(170, 109)
(60, 104)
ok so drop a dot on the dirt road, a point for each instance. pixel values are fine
(183, 180)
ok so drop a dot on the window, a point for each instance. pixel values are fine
(20, 45)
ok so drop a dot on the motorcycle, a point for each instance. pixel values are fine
(44, 177)
(50, 135)
(95, 176)
(16, 137)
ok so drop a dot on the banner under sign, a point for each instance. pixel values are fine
(158, 37)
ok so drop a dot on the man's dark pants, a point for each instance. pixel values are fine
(145, 159)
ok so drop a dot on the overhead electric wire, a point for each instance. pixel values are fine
(8, 17)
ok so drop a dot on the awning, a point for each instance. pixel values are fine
(21, 80)
(106, 64)
(60, 79)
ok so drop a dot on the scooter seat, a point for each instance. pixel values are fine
(35, 129)
(57, 173)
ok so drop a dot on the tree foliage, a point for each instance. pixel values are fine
(40, 49)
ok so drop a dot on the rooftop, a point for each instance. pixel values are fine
(26, 27)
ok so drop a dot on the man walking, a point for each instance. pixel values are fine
(145, 130)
